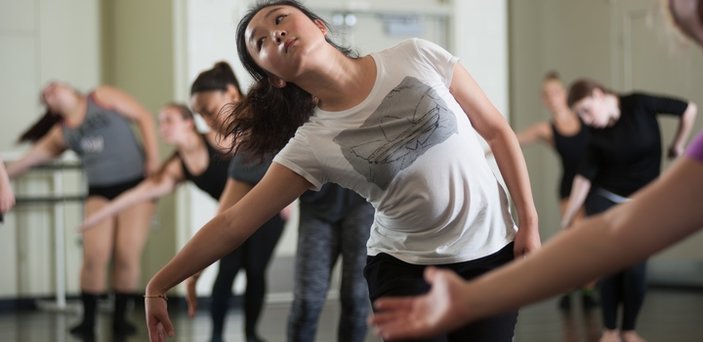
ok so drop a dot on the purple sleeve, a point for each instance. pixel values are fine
(695, 149)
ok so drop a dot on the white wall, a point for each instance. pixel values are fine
(480, 38)
(40, 40)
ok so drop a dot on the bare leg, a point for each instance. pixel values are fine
(131, 235)
(97, 248)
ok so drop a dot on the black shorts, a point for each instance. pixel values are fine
(109, 192)
(388, 276)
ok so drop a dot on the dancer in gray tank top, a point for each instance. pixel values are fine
(97, 127)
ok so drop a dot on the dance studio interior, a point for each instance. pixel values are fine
(136, 60)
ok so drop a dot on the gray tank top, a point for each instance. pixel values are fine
(107, 146)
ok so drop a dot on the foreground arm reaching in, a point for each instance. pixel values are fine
(672, 201)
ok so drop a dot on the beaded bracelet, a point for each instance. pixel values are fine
(163, 296)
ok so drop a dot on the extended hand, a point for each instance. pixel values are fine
(428, 315)
(157, 320)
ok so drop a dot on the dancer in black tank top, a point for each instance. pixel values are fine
(569, 137)
(195, 159)
(212, 91)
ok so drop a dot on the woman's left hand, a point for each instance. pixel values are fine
(526, 240)
(157, 320)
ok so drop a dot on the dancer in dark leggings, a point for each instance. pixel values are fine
(211, 91)
(253, 257)
(334, 222)
(623, 156)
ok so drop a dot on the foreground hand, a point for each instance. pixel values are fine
(191, 298)
(7, 199)
(428, 315)
(157, 320)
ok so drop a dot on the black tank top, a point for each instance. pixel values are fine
(571, 149)
(214, 178)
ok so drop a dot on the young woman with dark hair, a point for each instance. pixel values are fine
(97, 126)
(212, 92)
(400, 128)
(623, 156)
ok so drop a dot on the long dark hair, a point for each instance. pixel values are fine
(41, 127)
(216, 78)
(268, 117)
(582, 89)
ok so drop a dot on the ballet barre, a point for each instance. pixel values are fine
(55, 200)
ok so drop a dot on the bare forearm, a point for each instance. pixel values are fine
(146, 191)
(19, 167)
(579, 190)
(4, 178)
(211, 243)
(685, 125)
(512, 166)
(595, 246)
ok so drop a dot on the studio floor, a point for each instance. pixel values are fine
(667, 316)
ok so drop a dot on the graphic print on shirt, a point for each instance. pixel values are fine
(410, 120)
(88, 133)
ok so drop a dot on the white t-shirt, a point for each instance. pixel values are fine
(411, 151)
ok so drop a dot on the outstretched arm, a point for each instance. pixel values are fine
(128, 106)
(233, 192)
(153, 187)
(579, 191)
(47, 148)
(570, 259)
(540, 131)
(493, 127)
(226, 231)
